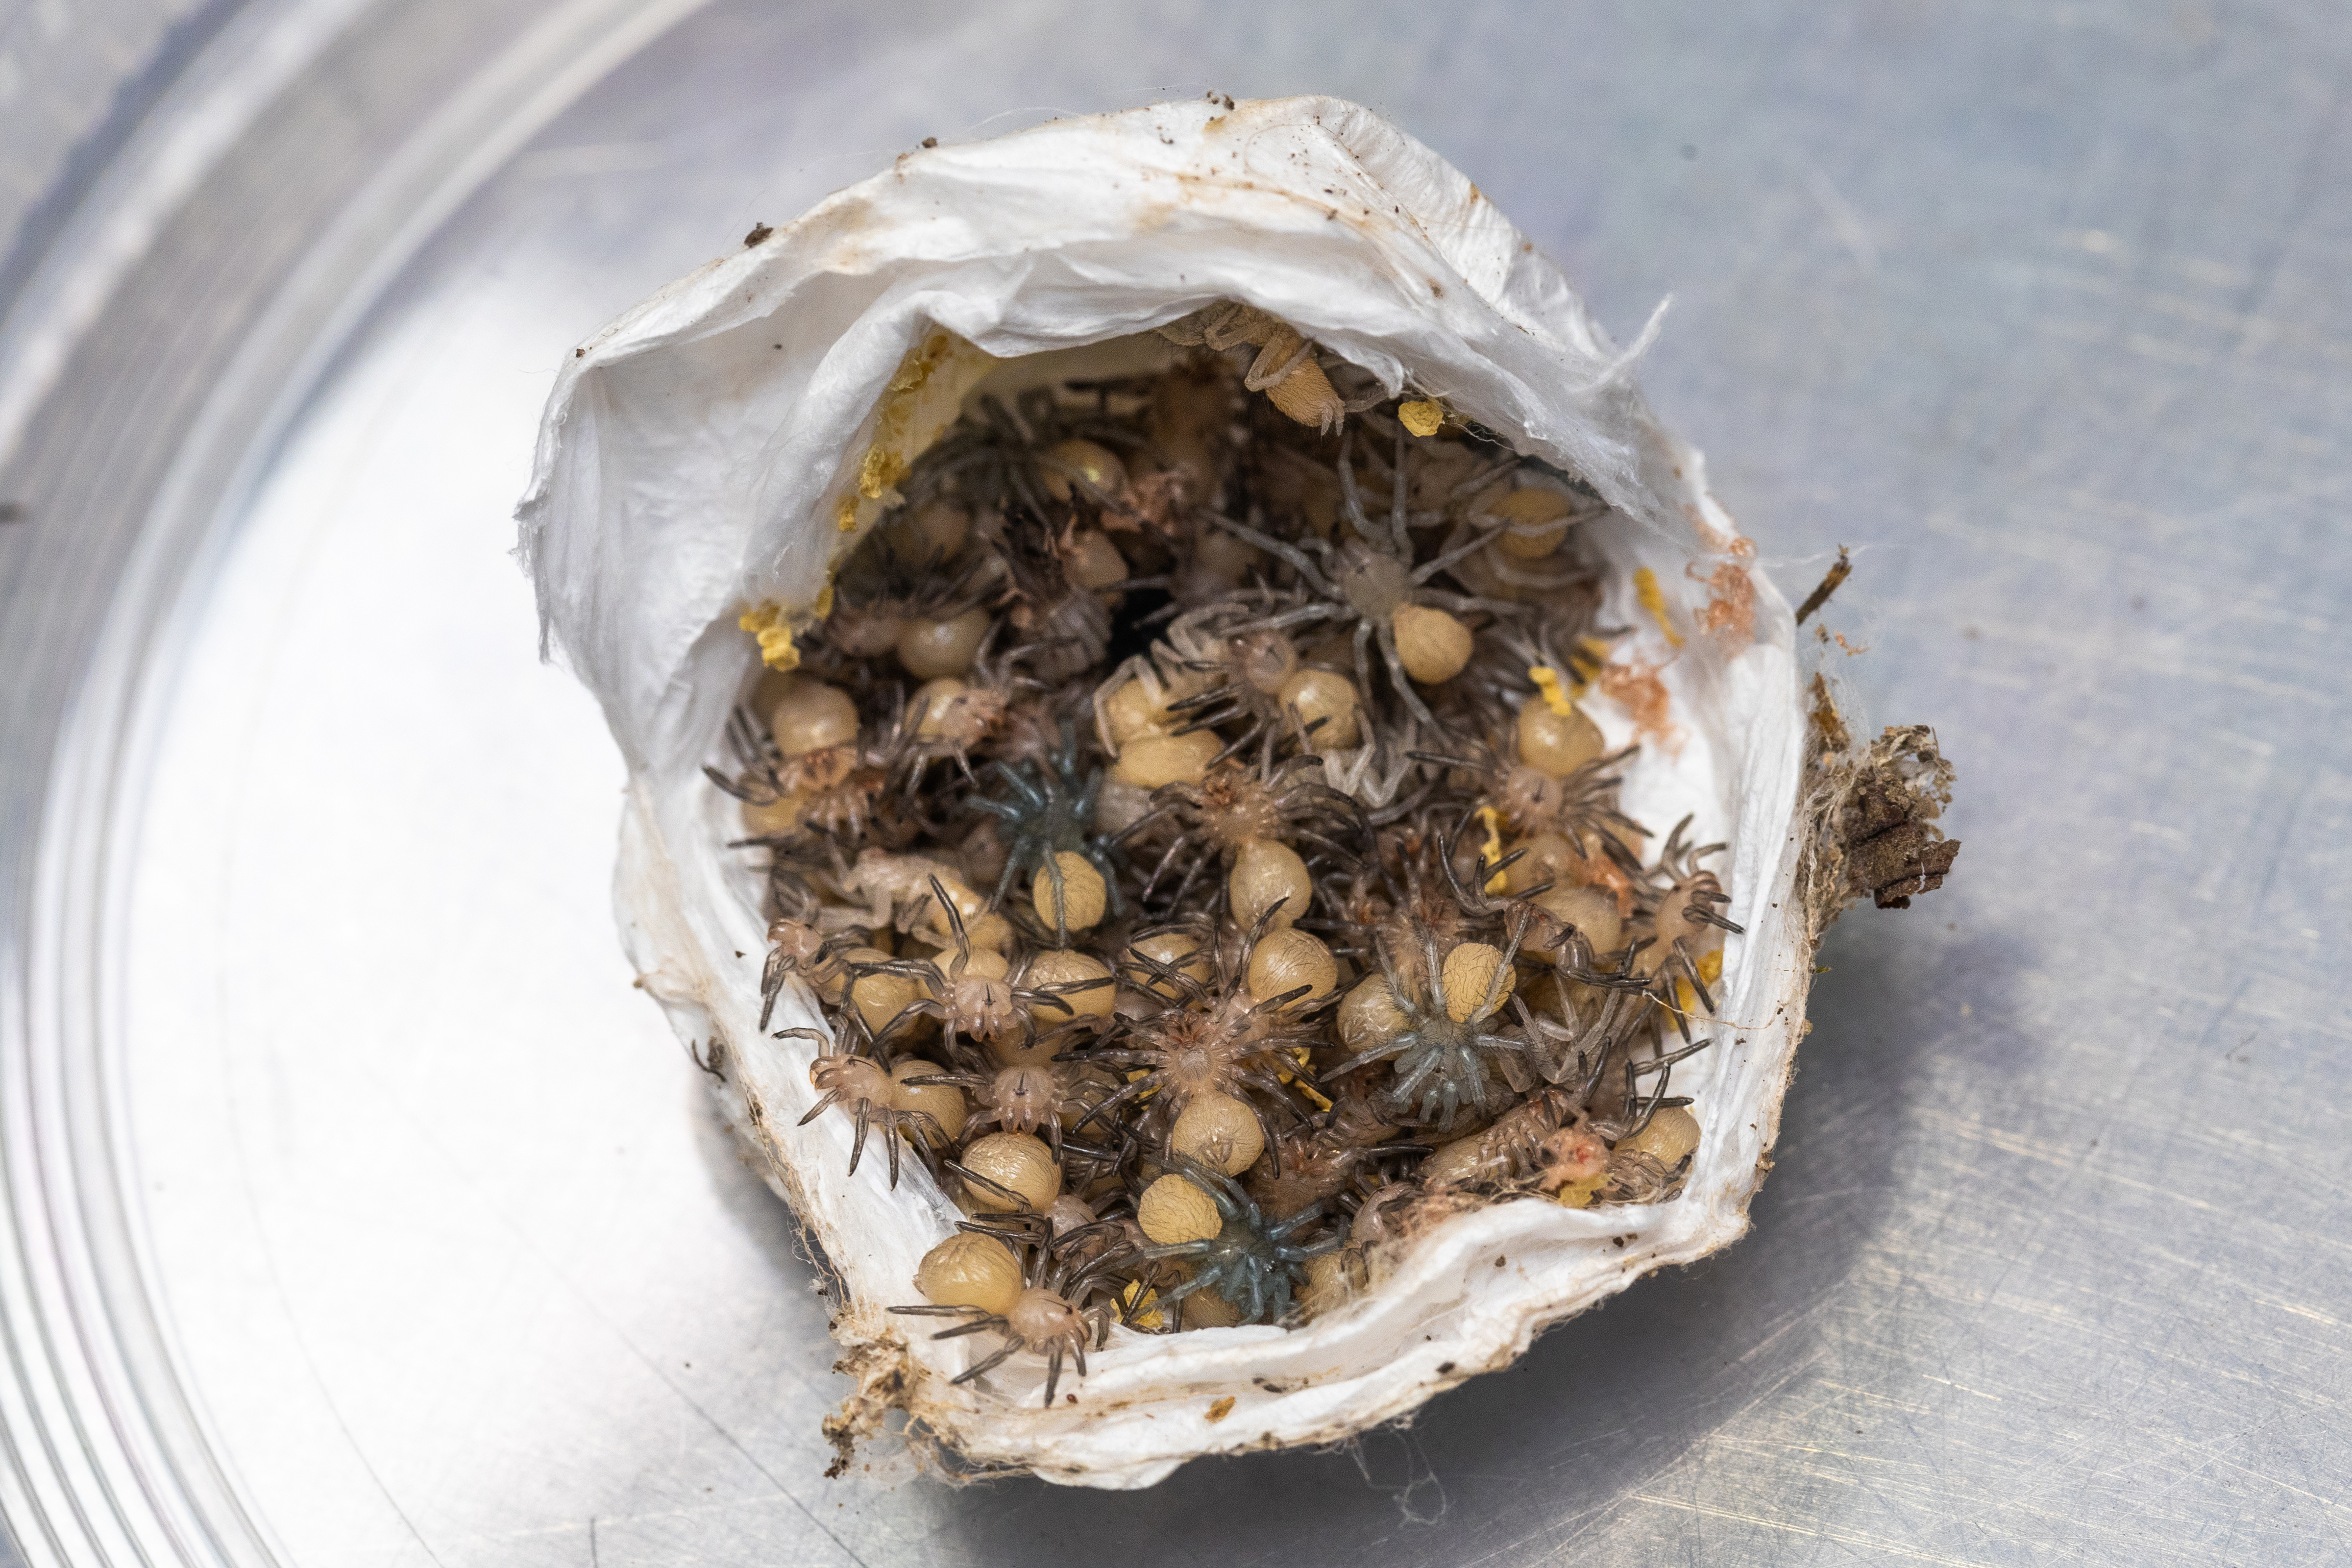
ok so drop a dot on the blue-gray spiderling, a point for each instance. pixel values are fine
(1050, 811)
(1441, 1059)
(1251, 1263)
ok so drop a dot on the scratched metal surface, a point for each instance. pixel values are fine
(361, 1212)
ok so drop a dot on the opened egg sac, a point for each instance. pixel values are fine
(1235, 829)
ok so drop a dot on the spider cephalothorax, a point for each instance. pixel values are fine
(1581, 806)
(1034, 1098)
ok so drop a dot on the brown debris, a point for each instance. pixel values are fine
(1891, 853)
(1874, 811)
(880, 1368)
(1828, 585)
(1829, 725)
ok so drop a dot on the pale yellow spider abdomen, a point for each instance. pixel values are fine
(1287, 959)
(1220, 1132)
(1080, 901)
(1020, 1164)
(969, 1271)
(1431, 644)
(1174, 1209)
(1266, 873)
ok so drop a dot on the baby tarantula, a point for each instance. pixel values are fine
(1254, 1266)
(969, 993)
(1050, 812)
(893, 584)
(856, 1080)
(1050, 1315)
(1284, 801)
(834, 788)
(1228, 670)
(1370, 580)
(764, 775)
(1066, 623)
(1444, 1032)
(954, 716)
(1583, 805)
(796, 947)
(1684, 925)
(1549, 775)
(1205, 1036)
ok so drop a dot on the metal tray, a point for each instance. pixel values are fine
(359, 1212)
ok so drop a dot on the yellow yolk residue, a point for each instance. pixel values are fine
(766, 622)
(1546, 681)
(1492, 821)
(1653, 599)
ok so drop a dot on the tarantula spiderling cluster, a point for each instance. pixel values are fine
(1193, 832)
